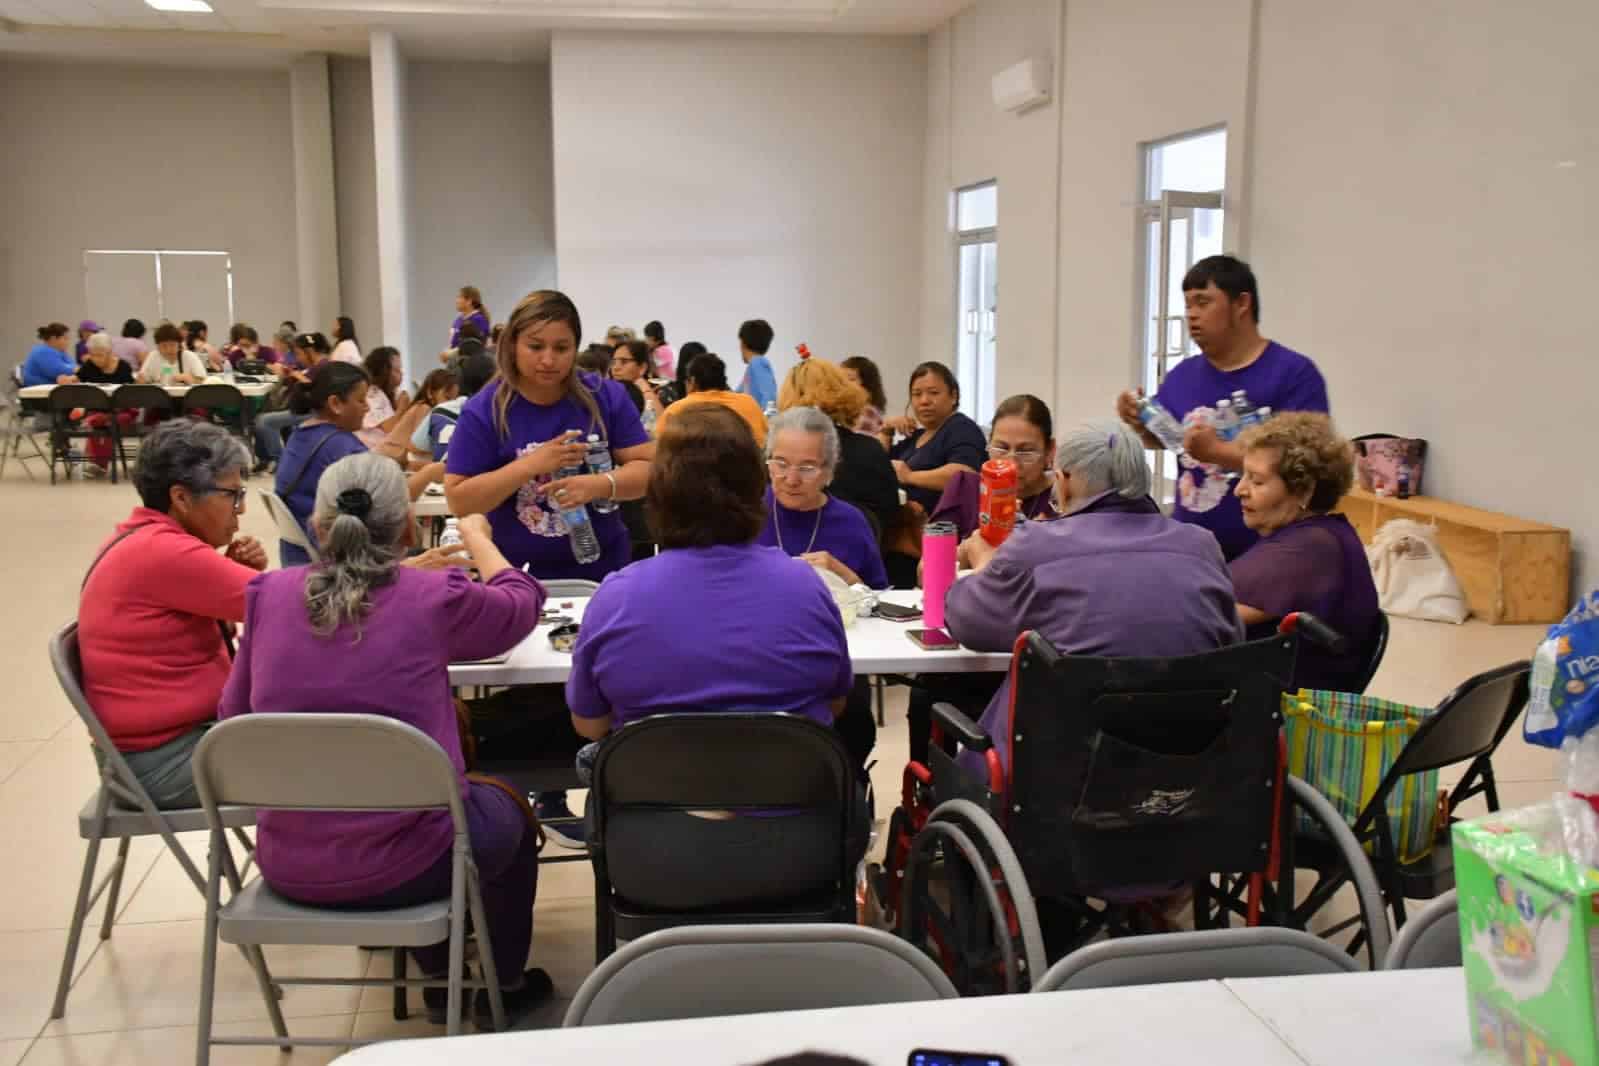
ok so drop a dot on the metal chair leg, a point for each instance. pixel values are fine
(80, 912)
(116, 888)
(402, 1009)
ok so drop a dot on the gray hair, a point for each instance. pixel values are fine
(361, 512)
(100, 342)
(184, 452)
(806, 420)
(1107, 457)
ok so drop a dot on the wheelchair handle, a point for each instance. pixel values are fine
(1307, 626)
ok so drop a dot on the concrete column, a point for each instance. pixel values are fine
(393, 195)
(315, 214)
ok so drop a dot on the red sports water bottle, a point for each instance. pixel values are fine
(996, 501)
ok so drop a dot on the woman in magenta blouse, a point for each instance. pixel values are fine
(364, 634)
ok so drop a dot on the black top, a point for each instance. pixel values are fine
(121, 374)
(865, 477)
(958, 440)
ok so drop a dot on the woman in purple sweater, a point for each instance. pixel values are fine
(363, 634)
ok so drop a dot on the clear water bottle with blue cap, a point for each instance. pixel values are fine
(579, 527)
(599, 460)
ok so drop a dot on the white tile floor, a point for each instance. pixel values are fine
(134, 996)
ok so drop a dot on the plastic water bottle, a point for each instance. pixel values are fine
(452, 535)
(770, 410)
(1160, 422)
(585, 542)
(1226, 420)
(600, 463)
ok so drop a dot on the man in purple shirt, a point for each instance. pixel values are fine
(1223, 302)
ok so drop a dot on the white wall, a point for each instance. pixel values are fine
(355, 174)
(101, 156)
(1425, 220)
(481, 190)
(970, 141)
(704, 180)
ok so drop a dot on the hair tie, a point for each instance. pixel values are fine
(355, 502)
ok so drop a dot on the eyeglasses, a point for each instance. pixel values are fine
(781, 468)
(1021, 456)
(237, 494)
(623, 360)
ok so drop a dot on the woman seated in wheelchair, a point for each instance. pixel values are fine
(1113, 577)
(646, 649)
(344, 636)
(1296, 469)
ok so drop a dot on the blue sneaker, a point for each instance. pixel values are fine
(560, 824)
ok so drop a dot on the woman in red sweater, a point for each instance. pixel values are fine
(152, 609)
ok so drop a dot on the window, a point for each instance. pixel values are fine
(1180, 222)
(977, 297)
(119, 284)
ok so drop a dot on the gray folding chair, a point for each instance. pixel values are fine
(17, 427)
(120, 809)
(1211, 955)
(698, 971)
(287, 525)
(1431, 939)
(570, 587)
(332, 762)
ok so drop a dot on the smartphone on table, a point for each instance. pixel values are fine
(896, 613)
(926, 1057)
(933, 640)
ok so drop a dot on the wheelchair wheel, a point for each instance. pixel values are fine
(965, 901)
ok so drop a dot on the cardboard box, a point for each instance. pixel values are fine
(1529, 934)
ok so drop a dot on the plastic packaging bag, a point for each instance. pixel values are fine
(1564, 699)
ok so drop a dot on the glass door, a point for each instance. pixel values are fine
(979, 318)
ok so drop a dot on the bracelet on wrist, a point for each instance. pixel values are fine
(612, 479)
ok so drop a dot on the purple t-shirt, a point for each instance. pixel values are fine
(418, 624)
(1318, 565)
(837, 528)
(1281, 379)
(527, 527)
(477, 318)
(962, 496)
(729, 628)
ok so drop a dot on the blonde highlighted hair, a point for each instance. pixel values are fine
(821, 384)
(1311, 456)
(534, 311)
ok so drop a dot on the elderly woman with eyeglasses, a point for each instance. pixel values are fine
(1023, 433)
(802, 519)
(158, 601)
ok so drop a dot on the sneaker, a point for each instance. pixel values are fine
(536, 988)
(95, 471)
(569, 832)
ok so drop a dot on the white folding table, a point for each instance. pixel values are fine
(250, 390)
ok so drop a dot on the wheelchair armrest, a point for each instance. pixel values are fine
(962, 728)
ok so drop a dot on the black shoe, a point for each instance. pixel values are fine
(436, 1002)
(536, 988)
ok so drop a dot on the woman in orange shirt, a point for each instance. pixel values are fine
(707, 383)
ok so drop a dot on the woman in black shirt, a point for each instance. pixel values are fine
(938, 443)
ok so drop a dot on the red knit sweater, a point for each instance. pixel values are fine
(153, 659)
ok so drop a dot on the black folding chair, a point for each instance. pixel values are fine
(64, 429)
(227, 407)
(1467, 725)
(764, 768)
(139, 398)
(1378, 650)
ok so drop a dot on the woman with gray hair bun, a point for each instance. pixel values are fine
(154, 657)
(1111, 577)
(365, 634)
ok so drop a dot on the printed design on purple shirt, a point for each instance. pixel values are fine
(533, 508)
(1201, 488)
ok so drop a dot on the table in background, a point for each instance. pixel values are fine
(249, 390)
(876, 646)
(431, 505)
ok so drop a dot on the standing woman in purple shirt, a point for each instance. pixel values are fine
(468, 308)
(1296, 469)
(1224, 320)
(363, 634)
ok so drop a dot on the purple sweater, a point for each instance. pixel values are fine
(1115, 578)
(419, 623)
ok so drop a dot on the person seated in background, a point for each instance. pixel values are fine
(1113, 577)
(677, 388)
(809, 524)
(760, 382)
(244, 345)
(102, 367)
(335, 403)
(155, 607)
(386, 401)
(776, 623)
(707, 384)
(307, 351)
(472, 372)
(864, 475)
(86, 329)
(362, 633)
(863, 372)
(660, 354)
(170, 363)
(1296, 469)
(596, 359)
(346, 349)
(632, 364)
(48, 362)
(197, 340)
(130, 347)
(1024, 434)
(441, 386)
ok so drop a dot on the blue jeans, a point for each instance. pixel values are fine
(269, 429)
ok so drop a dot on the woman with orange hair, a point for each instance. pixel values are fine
(865, 476)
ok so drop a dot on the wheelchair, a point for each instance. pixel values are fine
(1130, 782)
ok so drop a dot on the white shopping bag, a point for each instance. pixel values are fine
(1413, 577)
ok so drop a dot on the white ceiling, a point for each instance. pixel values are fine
(268, 32)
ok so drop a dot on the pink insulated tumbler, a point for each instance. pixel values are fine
(939, 540)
